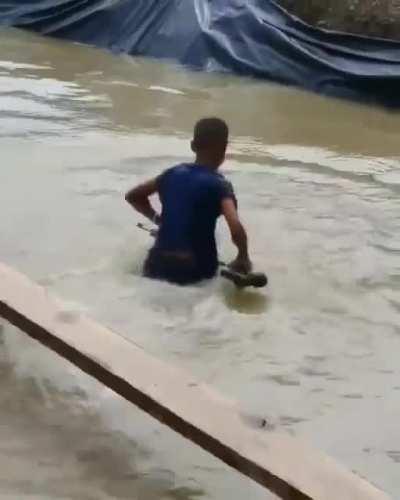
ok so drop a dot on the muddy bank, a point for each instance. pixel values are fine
(368, 17)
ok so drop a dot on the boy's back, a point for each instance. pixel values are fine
(191, 197)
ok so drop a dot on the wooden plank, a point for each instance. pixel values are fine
(285, 465)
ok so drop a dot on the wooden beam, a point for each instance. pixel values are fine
(284, 465)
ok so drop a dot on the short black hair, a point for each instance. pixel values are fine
(210, 131)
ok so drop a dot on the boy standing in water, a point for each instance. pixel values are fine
(193, 196)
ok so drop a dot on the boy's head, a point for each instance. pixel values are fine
(210, 140)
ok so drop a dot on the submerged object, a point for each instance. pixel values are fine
(247, 37)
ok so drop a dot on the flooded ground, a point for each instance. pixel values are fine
(316, 355)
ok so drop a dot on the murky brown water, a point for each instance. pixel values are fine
(317, 355)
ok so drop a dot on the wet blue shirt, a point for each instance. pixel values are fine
(191, 197)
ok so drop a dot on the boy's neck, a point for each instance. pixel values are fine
(203, 161)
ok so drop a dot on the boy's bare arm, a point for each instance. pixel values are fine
(138, 198)
(239, 236)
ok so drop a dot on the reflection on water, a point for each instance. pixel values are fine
(245, 301)
(314, 354)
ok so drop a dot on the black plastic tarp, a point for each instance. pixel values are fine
(247, 37)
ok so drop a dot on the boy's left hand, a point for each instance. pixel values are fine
(241, 265)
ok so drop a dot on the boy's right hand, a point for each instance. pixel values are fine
(154, 233)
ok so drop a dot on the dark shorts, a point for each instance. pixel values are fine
(174, 269)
